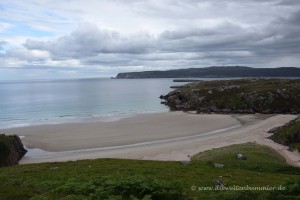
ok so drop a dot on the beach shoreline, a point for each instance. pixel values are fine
(159, 136)
(125, 131)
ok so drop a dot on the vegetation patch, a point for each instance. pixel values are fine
(5, 143)
(139, 179)
(258, 157)
(238, 96)
(288, 135)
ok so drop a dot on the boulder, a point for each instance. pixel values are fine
(12, 150)
(241, 156)
(218, 184)
(218, 165)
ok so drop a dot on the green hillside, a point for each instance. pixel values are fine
(288, 135)
(157, 180)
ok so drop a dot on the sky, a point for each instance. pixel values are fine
(54, 39)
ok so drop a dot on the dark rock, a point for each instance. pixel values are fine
(218, 184)
(241, 156)
(229, 87)
(13, 150)
(218, 165)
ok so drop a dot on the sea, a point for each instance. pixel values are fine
(25, 103)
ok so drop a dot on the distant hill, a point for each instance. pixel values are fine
(215, 72)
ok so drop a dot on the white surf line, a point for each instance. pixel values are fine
(46, 154)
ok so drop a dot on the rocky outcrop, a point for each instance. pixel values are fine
(11, 150)
(266, 96)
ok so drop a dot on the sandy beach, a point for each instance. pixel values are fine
(161, 136)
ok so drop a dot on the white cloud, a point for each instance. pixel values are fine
(4, 26)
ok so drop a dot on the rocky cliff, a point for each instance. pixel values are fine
(238, 96)
(11, 150)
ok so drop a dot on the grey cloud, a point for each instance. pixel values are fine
(289, 2)
(275, 2)
(284, 38)
(226, 43)
(186, 33)
(182, 34)
(88, 40)
(33, 44)
(294, 18)
(227, 37)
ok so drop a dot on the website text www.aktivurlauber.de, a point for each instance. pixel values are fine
(235, 187)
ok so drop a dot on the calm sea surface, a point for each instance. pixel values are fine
(44, 102)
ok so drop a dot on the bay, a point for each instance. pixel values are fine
(24, 103)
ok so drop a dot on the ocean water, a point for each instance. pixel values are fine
(26, 103)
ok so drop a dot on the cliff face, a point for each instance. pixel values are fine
(238, 96)
(11, 150)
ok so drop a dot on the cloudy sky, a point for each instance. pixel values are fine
(99, 38)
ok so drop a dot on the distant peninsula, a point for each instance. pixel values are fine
(215, 72)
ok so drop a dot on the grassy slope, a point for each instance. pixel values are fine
(288, 134)
(104, 178)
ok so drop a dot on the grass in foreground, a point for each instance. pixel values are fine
(137, 179)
